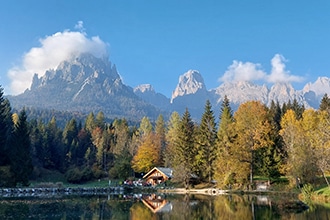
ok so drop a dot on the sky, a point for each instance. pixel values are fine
(156, 41)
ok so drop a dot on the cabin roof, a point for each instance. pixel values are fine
(166, 171)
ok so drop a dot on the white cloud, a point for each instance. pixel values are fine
(240, 71)
(80, 26)
(279, 73)
(248, 71)
(53, 50)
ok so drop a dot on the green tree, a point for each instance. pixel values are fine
(145, 127)
(185, 155)
(90, 122)
(5, 128)
(172, 135)
(206, 144)
(325, 103)
(20, 160)
(271, 157)
(160, 132)
(225, 164)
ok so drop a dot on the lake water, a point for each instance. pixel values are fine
(155, 207)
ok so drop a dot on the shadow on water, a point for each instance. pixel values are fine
(159, 206)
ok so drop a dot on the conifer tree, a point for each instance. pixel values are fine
(185, 153)
(325, 103)
(206, 144)
(172, 136)
(160, 136)
(225, 136)
(5, 128)
(272, 157)
(20, 159)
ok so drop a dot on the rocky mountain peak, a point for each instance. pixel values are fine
(241, 91)
(319, 87)
(144, 88)
(189, 83)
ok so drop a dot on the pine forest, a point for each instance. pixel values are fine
(231, 148)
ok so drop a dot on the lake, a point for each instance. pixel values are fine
(155, 207)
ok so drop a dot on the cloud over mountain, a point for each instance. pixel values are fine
(279, 73)
(240, 71)
(51, 52)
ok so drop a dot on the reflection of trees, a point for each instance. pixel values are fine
(138, 212)
(183, 207)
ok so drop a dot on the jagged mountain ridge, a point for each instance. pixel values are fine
(87, 83)
(242, 91)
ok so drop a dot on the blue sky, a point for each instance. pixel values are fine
(156, 41)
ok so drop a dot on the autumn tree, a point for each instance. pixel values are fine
(321, 139)
(148, 154)
(206, 144)
(301, 159)
(252, 130)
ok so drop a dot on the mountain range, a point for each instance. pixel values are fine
(89, 84)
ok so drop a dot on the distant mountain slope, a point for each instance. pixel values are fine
(85, 84)
(148, 94)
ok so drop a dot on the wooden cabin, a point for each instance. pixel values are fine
(158, 175)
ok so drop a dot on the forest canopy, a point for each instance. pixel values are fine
(230, 148)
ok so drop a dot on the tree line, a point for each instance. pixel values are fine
(231, 149)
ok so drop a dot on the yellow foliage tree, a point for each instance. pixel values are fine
(252, 129)
(147, 155)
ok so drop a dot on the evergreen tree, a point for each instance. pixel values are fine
(172, 135)
(185, 153)
(325, 103)
(299, 109)
(272, 156)
(225, 136)
(160, 136)
(5, 128)
(145, 127)
(90, 122)
(70, 134)
(206, 144)
(20, 159)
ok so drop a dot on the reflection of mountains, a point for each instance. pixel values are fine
(156, 203)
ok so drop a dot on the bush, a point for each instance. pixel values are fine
(74, 175)
(6, 178)
(307, 191)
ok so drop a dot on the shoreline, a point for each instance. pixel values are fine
(52, 191)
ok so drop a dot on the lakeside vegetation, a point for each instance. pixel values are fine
(256, 140)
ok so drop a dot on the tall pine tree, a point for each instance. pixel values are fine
(206, 144)
(20, 159)
(185, 153)
(224, 170)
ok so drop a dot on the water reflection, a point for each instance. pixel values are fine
(156, 207)
(156, 203)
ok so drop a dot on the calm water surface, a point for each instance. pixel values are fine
(155, 207)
